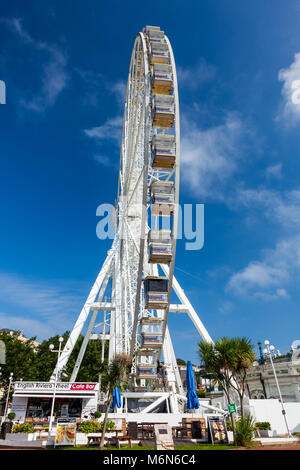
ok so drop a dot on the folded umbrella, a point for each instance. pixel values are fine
(192, 398)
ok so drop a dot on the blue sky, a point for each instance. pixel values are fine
(65, 66)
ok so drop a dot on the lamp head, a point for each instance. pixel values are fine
(60, 339)
(51, 346)
(267, 342)
(272, 348)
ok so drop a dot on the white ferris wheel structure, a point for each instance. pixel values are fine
(130, 301)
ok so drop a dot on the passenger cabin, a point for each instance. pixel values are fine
(159, 246)
(151, 332)
(161, 79)
(162, 198)
(146, 363)
(158, 53)
(163, 111)
(156, 292)
(154, 33)
(163, 151)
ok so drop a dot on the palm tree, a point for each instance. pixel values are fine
(243, 359)
(228, 361)
(116, 371)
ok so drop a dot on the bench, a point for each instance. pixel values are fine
(94, 437)
(118, 439)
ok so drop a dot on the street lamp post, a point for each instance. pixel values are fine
(269, 351)
(51, 347)
(11, 375)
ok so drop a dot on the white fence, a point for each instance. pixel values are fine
(270, 410)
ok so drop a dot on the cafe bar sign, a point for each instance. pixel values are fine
(60, 387)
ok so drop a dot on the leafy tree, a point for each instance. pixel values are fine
(243, 359)
(181, 362)
(115, 372)
(228, 361)
(20, 359)
(90, 366)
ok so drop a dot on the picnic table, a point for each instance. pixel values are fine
(147, 429)
(182, 430)
(96, 436)
(118, 439)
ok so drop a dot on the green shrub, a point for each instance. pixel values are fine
(90, 426)
(110, 425)
(201, 393)
(11, 416)
(244, 431)
(23, 427)
(97, 414)
(263, 425)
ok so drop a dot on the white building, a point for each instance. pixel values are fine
(261, 381)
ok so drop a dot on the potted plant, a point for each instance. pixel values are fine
(263, 428)
(11, 416)
(97, 414)
(22, 432)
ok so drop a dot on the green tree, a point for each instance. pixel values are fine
(181, 362)
(228, 360)
(216, 360)
(89, 369)
(20, 359)
(243, 358)
(116, 371)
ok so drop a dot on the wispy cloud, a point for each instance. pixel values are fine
(111, 132)
(210, 157)
(48, 306)
(281, 207)
(290, 107)
(274, 171)
(54, 77)
(268, 278)
(193, 77)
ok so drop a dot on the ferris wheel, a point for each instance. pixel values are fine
(130, 300)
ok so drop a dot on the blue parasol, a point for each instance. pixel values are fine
(192, 398)
(117, 400)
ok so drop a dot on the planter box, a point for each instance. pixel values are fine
(20, 436)
(264, 433)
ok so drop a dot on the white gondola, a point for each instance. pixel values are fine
(161, 79)
(154, 33)
(158, 53)
(156, 292)
(146, 362)
(163, 151)
(163, 111)
(151, 332)
(159, 246)
(162, 198)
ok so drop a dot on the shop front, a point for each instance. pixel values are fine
(32, 401)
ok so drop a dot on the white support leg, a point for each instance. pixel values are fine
(67, 351)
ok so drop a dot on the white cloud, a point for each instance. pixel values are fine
(192, 77)
(210, 157)
(277, 206)
(290, 110)
(48, 306)
(118, 89)
(110, 130)
(267, 278)
(274, 171)
(54, 76)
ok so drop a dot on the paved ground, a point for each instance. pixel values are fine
(278, 447)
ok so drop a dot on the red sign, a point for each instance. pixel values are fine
(84, 386)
